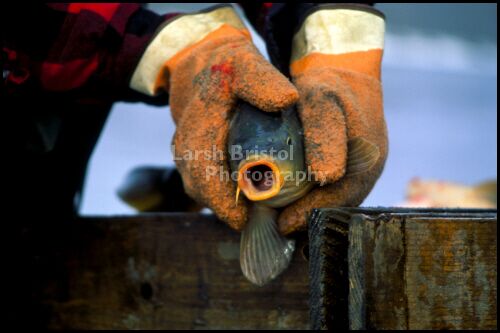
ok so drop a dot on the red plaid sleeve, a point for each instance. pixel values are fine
(78, 46)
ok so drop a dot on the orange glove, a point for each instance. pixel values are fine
(336, 58)
(207, 62)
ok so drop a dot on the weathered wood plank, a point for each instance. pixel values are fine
(451, 273)
(416, 269)
(170, 271)
(328, 311)
(376, 265)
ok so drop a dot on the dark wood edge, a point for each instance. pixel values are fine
(328, 275)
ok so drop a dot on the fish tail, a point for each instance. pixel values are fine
(264, 252)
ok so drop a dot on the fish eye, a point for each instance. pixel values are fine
(289, 141)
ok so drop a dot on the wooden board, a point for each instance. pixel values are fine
(167, 271)
(403, 269)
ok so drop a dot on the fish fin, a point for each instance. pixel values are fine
(487, 190)
(237, 195)
(264, 252)
(362, 156)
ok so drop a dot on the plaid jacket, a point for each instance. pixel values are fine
(91, 50)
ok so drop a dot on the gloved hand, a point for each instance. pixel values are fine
(207, 62)
(335, 66)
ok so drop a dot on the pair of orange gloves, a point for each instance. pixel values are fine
(207, 62)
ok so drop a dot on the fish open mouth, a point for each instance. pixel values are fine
(259, 179)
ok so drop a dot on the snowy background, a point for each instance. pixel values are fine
(440, 83)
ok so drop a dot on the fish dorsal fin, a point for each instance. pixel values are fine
(361, 156)
(264, 252)
(487, 190)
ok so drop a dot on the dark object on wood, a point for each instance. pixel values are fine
(167, 271)
(403, 269)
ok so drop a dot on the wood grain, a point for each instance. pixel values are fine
(168, 271)
(407, 269)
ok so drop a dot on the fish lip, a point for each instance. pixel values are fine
(246, 185)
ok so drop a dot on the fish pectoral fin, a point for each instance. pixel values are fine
(361, 156)
(264, 252)
(487, 190)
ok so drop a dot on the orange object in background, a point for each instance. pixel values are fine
(442, 194)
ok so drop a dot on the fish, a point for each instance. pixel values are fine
(270, 145)
(444, 194)
(266, 150)
(155, 189)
